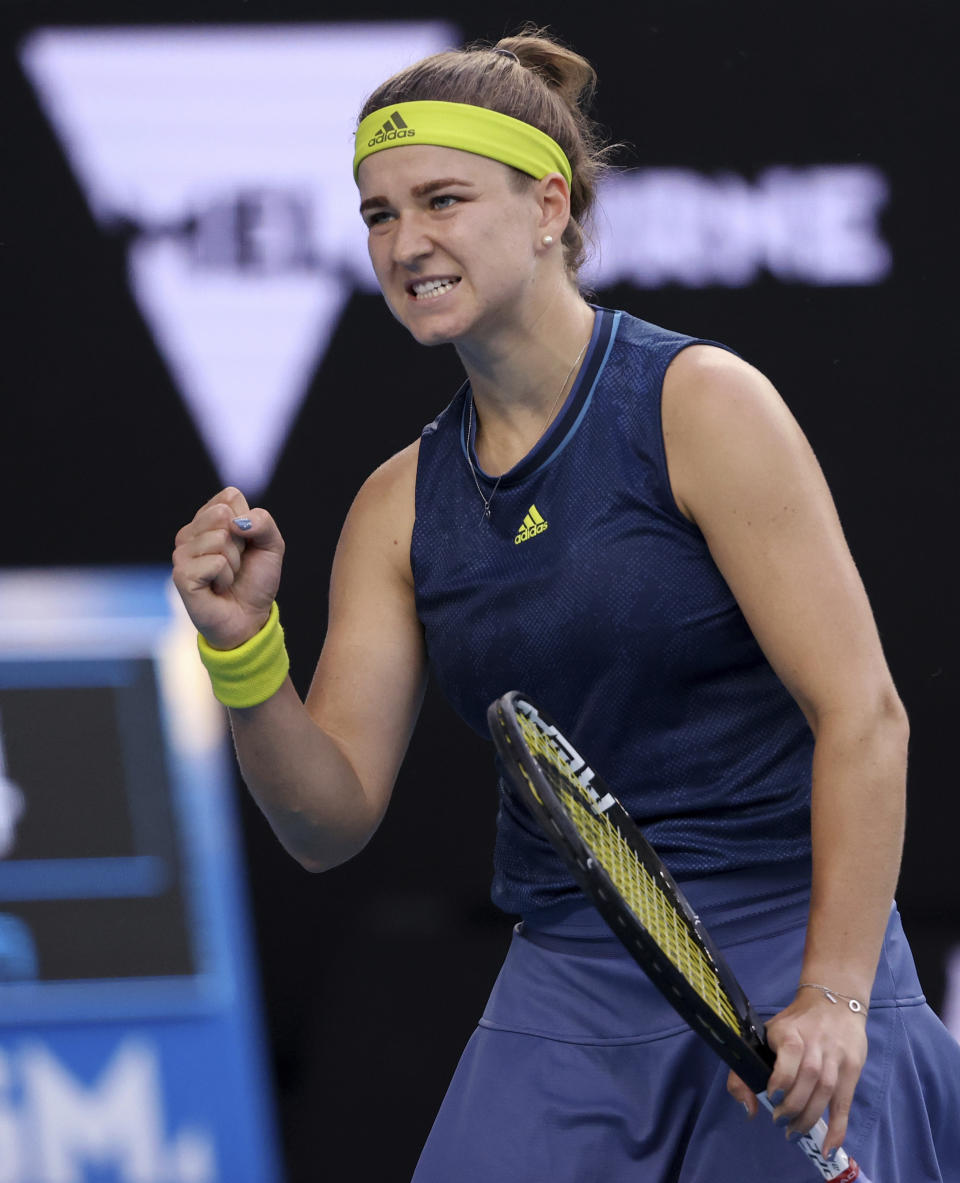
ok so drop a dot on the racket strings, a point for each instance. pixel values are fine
(640, 889)
(651, 906)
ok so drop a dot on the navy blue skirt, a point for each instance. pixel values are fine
(579, 1071)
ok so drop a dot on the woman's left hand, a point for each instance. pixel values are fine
(821, 1047)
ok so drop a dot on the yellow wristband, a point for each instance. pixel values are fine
(254, 671)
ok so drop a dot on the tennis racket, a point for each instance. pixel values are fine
(635, 893)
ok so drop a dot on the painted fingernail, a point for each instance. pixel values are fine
(746, 1108)
(781, 1121)
(243, 523)
(794, 1136)
(832, 1154)
(777, 1098)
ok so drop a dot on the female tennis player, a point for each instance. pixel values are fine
(626, 523)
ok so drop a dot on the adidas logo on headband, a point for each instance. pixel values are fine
(393, 129)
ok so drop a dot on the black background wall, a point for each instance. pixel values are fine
(374, 974)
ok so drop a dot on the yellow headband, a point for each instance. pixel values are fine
(463, 126)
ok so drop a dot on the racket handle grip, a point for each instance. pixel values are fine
(842, 1169)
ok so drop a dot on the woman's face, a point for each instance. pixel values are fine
(453, 240)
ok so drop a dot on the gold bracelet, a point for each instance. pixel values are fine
(854, 1004)
(254, 671)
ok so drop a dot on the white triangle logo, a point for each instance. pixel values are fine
(224, 154)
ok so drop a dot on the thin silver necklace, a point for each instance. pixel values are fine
(485, 516)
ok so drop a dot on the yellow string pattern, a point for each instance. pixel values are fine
(641, 891)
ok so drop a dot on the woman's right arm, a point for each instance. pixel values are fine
(321, 772)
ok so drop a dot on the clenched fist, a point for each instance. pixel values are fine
(226, 567)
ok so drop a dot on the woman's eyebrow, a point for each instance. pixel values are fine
(442, 183)
(370, 202)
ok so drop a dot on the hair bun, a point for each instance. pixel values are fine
(562, 69)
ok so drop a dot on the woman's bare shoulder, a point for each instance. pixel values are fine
(390, 487)
(380, 520)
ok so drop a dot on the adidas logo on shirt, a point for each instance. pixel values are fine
(533, 524)
(393, 129)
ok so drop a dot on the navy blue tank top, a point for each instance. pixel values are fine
(588, 590)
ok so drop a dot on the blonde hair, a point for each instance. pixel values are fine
(531, 77)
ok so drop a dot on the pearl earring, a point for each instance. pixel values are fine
(548, 240)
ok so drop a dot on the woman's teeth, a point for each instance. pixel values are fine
(433, 287)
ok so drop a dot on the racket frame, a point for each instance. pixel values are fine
(745, 1050)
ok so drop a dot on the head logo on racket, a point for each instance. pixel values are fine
(558, 748)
